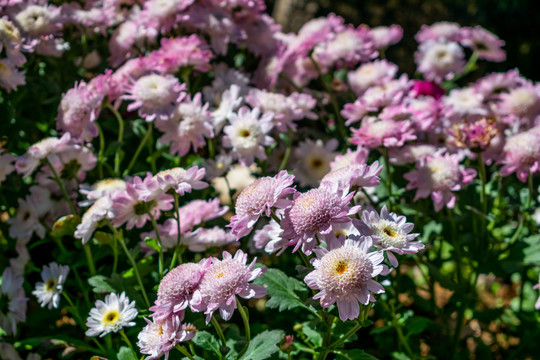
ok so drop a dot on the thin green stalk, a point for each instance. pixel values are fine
(184, 351)
(347, 335)
(327, 337)
(139, 149)
(89, 258)
(101, 150)
(62, 187)
(177, 214)
(287, 152)
(245, 319)
(109, 344)
(403, 341)
(275, 217)
(388, 174)
(483, 199)
(83, 288)
(218, 330)
(126, 340)
(160, 250)
(133, 264)
(115, 254)
(120, 136)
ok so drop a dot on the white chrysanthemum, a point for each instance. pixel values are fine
(36, 20)
(111, 315)
(345, 275)
(313, 160)
(439, 60)
(247, 134)
(523, 101)
(100, 189)
(99, 211)
(466, 101)
(48, 292)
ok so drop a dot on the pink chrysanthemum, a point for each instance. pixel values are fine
(181, 180)
(176, 289)
(190, 124)
(442, 30)
(374, 133)
(131, 206)
(13, 301)
(427, 88)
(225, 279)
(486, 44)
(258, 198)
(315, 212)
(439, 176)
(521, 102)
(155, 96)
(6, 165)
(351, 157)
(373, 73)
(203, 238)
(157, 338)
(390, 233)
(100, 210)
(345, 275)
(355, 175)
(10, 77)
(384, 36)
(521, 154)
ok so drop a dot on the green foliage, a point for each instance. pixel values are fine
(263, 345)
(282, 290)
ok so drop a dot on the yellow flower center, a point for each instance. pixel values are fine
(111, 317)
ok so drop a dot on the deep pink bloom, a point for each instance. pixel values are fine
(427, 88)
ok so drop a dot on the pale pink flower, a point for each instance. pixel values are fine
(157, 338)
(247, 134)
(100, 210)
(188, 127)
(6, 165)
(537, 305)
(439, 176)
(375, 133)
(224, 79)
(344, 275)
(203, 238)
(439, 61)
(351, 157)
(390, 233)
(486, 44)
(155, 96)
(230, 101)
(260, 198)
(313, 160)
(181, 180)
(464, 101)
(269, 233)
(223, 281)
(100, 189)
(315, 212)
(384, 36)
(10, 77)
(520, 102)
(443, 30)
(356, 175)
(26, 221)
(410, 154)
(377, 72)
(12, 292)
(492, 85)
(11, 41)
(27, 163)
(176, 289)
(521, 154)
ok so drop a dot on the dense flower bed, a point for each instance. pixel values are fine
(209, 187)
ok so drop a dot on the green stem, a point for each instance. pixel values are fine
(115, 254)
(287, 152)
(101, 150)
(483, 199)
(80, 321)
(327, 337)
(62, 187)
(133, 264)
(126, 340)
(218, 330)
(275, 217)
(89, 258)
(184, 351)
(403, 341)
(139, 148)
(120, 136)
(388, 174)
(245, 319)
(347, 335)
(176, 249)
(160, 250)
(531, 191)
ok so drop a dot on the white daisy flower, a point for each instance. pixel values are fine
(48, 292)
(111, 315)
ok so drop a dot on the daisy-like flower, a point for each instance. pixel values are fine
(27, 163)
(486, 44)
(176, 289)
(247, 134)
(390, 233)
(100, 189)
(48, 292)
(344, 275)
(260, 197)
(225, 279)
(521, 102)
(133, 207)
(373, 73)
(181, 180)
(438, 60)
(12, 301)
(157, 338)
(439, 176)
(100, 210)
(218, 166)
(521, 154)
(356, 175)
(464, 101)
(442, 30)
(384, 36)
(313, 160)
(111, 315)
(155, 96)
(202, 238)
(190, 123)
(374, 133)
(315, 212)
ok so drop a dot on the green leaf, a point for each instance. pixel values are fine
(125, 354)
(417, 324)
(100, 284)
(282, 290)
(152, 243)
(355, 354)
(263, 345)
(208, 342)
(400, 356)
(313, 335)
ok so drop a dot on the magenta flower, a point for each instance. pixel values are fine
(176, 289)
(390, 233)
(344, 275)
(439, 176)
(258, 198)
(427, 88)
(225, 279)
(315, 212)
